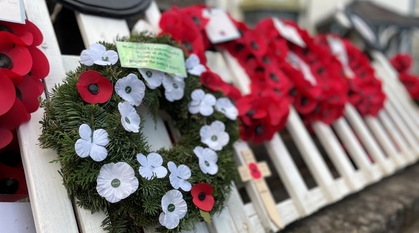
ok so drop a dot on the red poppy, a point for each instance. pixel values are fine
(7, 93)
(40, 66)
(94, 88)
(214, 82)
(202, 196)
(5, 137)
(15, 116)
(254, 171)
(28, 92)
(14, 55)
(175, 23)
(401, 62)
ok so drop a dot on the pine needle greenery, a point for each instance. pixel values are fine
(65, 111)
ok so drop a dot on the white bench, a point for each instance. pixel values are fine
(55, 212)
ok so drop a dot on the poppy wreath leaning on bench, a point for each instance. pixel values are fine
(93, 121)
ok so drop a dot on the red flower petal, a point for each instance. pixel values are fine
(36, 33)
(7, 93)
(40, 67)
(202, 196)
(5, 137)
(20, 30)
(29, 92)
(93, 77)
(254, 171)
(15, 116)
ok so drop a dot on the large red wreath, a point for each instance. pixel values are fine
(402, 63)
(22, 68)
(365, 91)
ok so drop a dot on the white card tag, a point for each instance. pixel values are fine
(289, 33)
(219, 28)
(12, 11)
(299, 64)
(340, 52)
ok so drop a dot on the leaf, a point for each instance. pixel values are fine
(206, 216)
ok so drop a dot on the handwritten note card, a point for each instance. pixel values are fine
(12, 11)
(153, 56)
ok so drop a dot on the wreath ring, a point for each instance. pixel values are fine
(93, 123)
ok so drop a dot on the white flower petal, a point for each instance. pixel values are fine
(82, 148)
(184, 172)
(110, 56)
(197, 70)
(174, 208)
(87, 57)
(153, 78)
(185, 185)
(155, 159)
(214, 135)
(206, 110)
(142, 160)
(209, 99)
(116, 181)
(198, 94)
(129, 117)
(160, 172)
(98, 153)
(85, 132)
(225, 106)
(131, 89)
(100, 137)
(97, 48)
(191, 61)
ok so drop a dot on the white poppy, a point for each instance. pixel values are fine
(193, 65)
(153, 78)
(174, 87)
(179, 175)
(92, 145)
(97, 54)
(116, 181)
(151, 166)
(201, 102)
(131, 89)
(225, 106)
(129, 117)
(174, 209)
(214, 135)
(207, 160)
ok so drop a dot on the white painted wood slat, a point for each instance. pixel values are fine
(51, 207)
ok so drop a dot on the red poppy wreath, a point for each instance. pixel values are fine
(93, 122)
(22, 68)
(402, 64)
(365, 91)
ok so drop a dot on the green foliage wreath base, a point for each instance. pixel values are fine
(65, 111)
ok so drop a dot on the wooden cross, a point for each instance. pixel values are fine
(256, 172)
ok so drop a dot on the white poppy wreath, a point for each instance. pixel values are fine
(93, 123)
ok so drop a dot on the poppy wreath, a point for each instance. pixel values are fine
(93, 122)
(264, 111)
(22, 68)
(402, 63)
(365, 90)
(319, 92)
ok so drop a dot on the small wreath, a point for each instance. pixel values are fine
(94, 114)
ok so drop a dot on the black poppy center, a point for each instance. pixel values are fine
(188, 46)
(274, 77)
(239, 47)
(254, 45)
(250, 112)
(5, 61)
(196, 20)
(320, 70)
(93, 88)
(266, 60)
(5, 29)
(202, 196)
(304, 101)
(259, 130)
(293, 92)
(18, 93)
